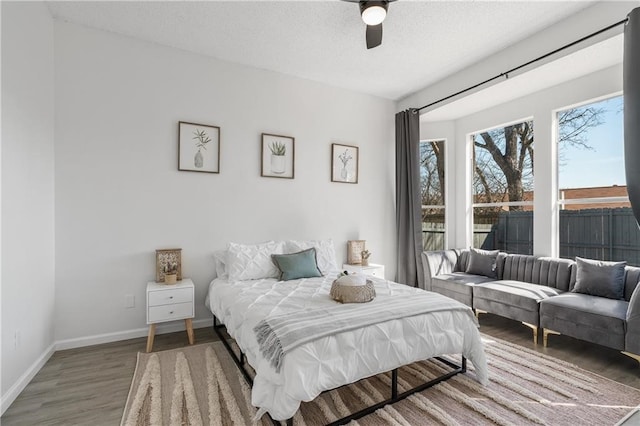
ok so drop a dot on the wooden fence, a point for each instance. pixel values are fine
(605, 234)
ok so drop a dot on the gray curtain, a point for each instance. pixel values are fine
(408, 203)
(631, 89)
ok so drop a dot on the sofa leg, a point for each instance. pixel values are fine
(478, 312)
(534, 328)
(545, 335)
(630, 355)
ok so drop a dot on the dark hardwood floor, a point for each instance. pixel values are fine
(89, 386)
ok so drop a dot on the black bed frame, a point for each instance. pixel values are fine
(395, 396)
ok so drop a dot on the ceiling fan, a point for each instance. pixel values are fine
(373, 13)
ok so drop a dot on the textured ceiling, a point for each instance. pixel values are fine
(324, 41)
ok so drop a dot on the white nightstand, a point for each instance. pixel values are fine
(372, 269)
(170, 302)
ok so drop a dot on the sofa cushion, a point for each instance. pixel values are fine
(600, 278)
(547, 271)
(483, 262)
(461, 279)
(457, 285)
(514, 293)
(585, 311)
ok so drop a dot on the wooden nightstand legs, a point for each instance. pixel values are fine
(189, 324)
(152, 332)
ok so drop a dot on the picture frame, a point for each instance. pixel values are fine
(198, 147)
(344, 163)
(354, 251)
(278, 156)
(168, 259)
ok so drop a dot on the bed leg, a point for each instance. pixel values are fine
(463, 368)
(242, 358)
(394, 383)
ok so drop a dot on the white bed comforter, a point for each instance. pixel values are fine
(339, 359)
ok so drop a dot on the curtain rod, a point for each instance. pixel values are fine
(546, 55)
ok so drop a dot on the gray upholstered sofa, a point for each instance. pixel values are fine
(538, 292)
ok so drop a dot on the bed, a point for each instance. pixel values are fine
(334, 360)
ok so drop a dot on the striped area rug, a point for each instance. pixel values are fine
(200, 385)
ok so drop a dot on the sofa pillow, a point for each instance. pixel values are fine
(252, 262)
(483, 262)
(325, 252)
(297, 265)
(600, 278)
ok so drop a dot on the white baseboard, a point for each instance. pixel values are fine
(98, 339)
(23, 381)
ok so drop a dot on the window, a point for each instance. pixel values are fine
(503, 188)
(432, 178)
(596, 220)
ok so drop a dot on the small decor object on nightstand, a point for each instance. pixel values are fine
(168, 265)
(365, 257)
(354, 251)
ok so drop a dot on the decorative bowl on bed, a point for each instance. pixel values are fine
(352, 288)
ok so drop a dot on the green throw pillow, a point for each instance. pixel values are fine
(297, 265)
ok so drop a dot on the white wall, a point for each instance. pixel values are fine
(541, 106)
(119, 195)
(27, 193)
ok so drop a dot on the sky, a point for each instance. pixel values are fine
(604, 164)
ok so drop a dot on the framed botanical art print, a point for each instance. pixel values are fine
(354, 251)
(344, 163)
(278, 156)
(168, 261)
(198, 147)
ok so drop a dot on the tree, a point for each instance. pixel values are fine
(511, 150)
(432, 172)
(503, 157)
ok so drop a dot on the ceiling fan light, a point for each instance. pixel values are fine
(374, 15)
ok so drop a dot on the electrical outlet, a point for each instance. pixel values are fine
(129, 301)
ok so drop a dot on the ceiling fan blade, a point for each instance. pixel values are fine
(374, 36)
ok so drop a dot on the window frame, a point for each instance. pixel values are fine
(559, 202)
(471, 167)
(445, 195)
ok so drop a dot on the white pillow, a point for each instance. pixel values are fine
(325, 252)
(220, 261)
(253, 262)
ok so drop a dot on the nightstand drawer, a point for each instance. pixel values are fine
(170, 312)
(166, 297)
(375, 272)
(373, 269)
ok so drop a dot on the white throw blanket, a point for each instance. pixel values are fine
(279, 334)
